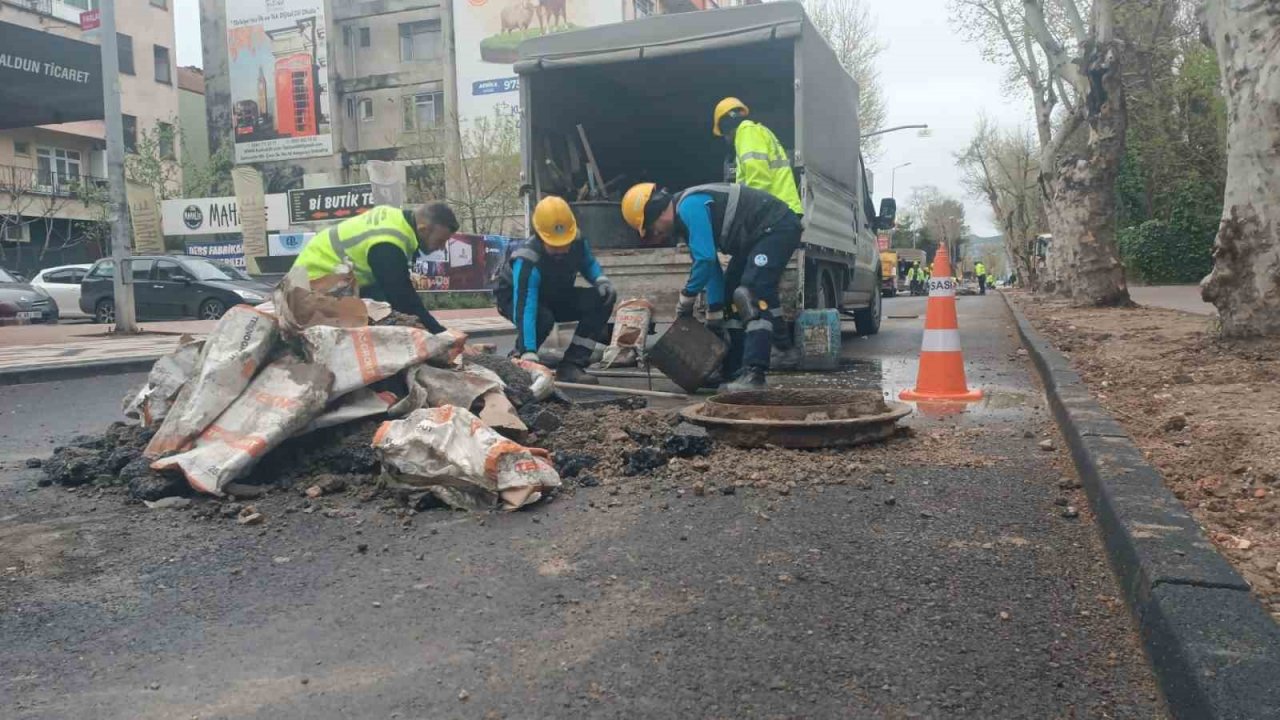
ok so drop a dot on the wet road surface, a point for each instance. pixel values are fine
(931, 590)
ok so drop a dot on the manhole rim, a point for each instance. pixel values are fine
(897, 411)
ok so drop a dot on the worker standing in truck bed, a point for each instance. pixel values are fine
(760, 160)
(757, 231)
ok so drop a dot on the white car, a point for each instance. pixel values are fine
(63, 285)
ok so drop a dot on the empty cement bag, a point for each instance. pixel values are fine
(232, 354)
(630, 328)
(357, 405)
(544, 381)
(150, 404)
(362, 356)
(462, 461)
(432, 387)
(301, 302)
(286, 396)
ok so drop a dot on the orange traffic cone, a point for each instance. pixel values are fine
(941, 374)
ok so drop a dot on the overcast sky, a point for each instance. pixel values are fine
(930, 75)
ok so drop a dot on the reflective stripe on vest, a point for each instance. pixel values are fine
(730, 208)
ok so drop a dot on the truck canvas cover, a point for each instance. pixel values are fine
(825, 99)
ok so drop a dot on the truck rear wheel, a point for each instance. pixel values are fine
(867, 320)
(821, 291)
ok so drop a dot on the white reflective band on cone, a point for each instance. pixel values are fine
(944, 287)
(941, 341)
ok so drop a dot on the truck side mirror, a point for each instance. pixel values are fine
(888, 214)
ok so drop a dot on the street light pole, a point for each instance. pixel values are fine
(118, 209)
(921, 126)
(893, 179)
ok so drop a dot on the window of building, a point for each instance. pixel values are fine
(22, 147)
(165, 134)
(364, 37)
(164, 73)
(366, 110)
(424, 110)
(351, 107)
(130, 133)
(82, 4)
(346, 36)
(420, 40)
(124, 53)
(644, 8)
(14, 231)
(427, 181)
(57, 168)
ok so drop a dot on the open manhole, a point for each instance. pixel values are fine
(798, 418)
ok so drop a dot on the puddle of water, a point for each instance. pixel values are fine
(892, 376)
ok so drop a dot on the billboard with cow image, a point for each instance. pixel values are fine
(488, 33)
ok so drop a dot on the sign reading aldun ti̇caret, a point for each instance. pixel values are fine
(329, 203)
(47, 79)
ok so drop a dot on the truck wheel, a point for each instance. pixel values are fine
(821, 292)
(867, 320)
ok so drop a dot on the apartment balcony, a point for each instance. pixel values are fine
(65, 11)
(18, 182)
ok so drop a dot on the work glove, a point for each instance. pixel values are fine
(605, 288)
(684, 308)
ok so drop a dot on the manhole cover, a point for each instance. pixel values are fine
(798, 418)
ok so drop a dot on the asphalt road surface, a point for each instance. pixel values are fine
(929, 590)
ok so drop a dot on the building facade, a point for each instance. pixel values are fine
(391, 82)
(52, 177)
(192, 117)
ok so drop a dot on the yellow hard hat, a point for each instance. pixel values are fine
(554, 222)
(724, 107)
(633, 204)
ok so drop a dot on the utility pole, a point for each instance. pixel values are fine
(122, 283)
(453, 119)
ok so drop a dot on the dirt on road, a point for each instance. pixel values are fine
(1205, 411)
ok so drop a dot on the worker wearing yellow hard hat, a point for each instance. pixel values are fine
(757, 231)
(535, 289)
(760, 161)
(378, 246)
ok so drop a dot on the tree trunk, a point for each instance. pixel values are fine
(1245, 282)
(1082, 262)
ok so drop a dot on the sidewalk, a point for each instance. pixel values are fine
(46, 348)
(1173, 297)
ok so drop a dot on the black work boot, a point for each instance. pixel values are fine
(570, 373)
(751, 378)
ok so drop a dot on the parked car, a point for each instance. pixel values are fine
(62, 283)
(171, 287)
(26, 301)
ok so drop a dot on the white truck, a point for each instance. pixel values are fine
(643, 93)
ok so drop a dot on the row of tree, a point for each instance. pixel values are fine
(1140, 126)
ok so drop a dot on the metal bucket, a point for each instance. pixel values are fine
(688, 353)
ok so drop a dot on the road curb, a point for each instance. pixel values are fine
(29, 374)
(1215, 651)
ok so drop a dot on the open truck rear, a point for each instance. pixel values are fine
(643, 92)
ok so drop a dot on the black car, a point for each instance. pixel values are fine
(167, 287)
(25, 300)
